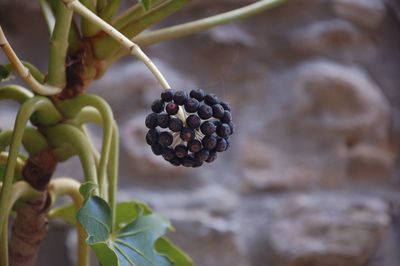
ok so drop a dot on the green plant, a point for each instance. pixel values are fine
(126, 233)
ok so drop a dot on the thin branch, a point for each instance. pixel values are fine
(48, 15)
(149, 38)
(23, 71)
(133, 48)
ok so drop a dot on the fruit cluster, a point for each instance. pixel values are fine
(189, 129)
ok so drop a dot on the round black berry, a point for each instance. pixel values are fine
(157, 106)
(223, 130)
(218, 111)
(194, 146)
(167, 95)
(202, 155)
(187, 134)
(197, 164)
(168, 154)
(175, 124)
(193, 121)
(191, 105)
(188, 161)
(165, 139)
(227, 117)
(175, 161)
(152, 136)
(151, 120)
(181, 151)
(172, 108)
(180, 97)
(225, 105)
(211, 99)
(211, 157)
(222, 145)
(232, 126)
(156, 148)
(205, 111)
(208, 128)
(209, 142)
(163, 120)
(198, 94)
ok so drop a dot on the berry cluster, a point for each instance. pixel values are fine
(189, 129)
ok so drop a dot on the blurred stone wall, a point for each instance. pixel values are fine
(312, 175)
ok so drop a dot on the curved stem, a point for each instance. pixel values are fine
(32, 140)
(59, 46)
(23, 71)
(67, 186)
(27, 109)
(20, 190)
(61, 134)
(48, 14)
(149, 38)
(73, 106)
(133, 48)
(16, 93)
(19, 164)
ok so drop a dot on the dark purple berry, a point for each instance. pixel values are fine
(157, 106)
(163, 120)
(191, 105)
(156, 148)
(198, 94)
(152, 136)
(151, 120)
(193, 121)
(209, 142)
(181, 151)
(223, 130)
(175, 161)
(187, 134)
(205, 111)
(168, 154)
(167, 95)
(194, 146)
(227, 117)
(211, 157)
(165, 139)
(197, 164)
(222, 145)
(226, 106)
(175, 124)
(208, 128)
(188, 161)
(180, 97)
(172, 108)
(218, 111)
(232, 126)
(211, 99)
(202, 155)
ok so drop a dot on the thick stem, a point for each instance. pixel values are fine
(19, 164)
(113, 174)
(59, 47)
(32, 140)
(124, 41)
(149, 38)
(16, 93)
(23, 71)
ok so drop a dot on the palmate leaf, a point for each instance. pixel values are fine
(133, 244)
(146, 4)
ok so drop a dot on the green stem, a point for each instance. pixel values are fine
(16, 93)
(88, 28)
(67, 186)
(19, 164)
(59, 47)
(48, 15)
(72, 107)
(61, 134)
(32, 140)
(113, 174)
(27, 109)
(149, 38)
(110, 10)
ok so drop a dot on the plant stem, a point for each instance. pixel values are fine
(74, 106)
(32, 140)
(88, 29)
(23, 71)
(48, 15)
(19, 164)
(109, 11)
(113, 175)
(61, 134)
(128, 44)
(59, 47)
(149, 38)
(27, 109)
(67, 186)
(16, 93)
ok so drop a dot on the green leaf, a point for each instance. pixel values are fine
(5, 72)
(146, 4)
(174, 253)
(67, 213)
(133, 244)
(127, 212)
(87, 189)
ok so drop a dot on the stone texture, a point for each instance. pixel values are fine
(368, 13)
